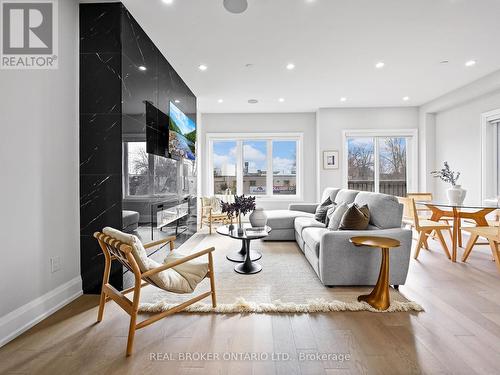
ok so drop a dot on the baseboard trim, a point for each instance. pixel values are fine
(23, 318)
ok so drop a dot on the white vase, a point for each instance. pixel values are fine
(258, 218)
(456, 195)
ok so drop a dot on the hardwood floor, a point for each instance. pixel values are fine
(459, 333)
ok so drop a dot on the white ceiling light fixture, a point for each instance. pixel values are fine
(380, 65)
(343, 99)
(177, 101)
(168, 2)
(220, 101)
(235, 6)
(406, 98)
(142, 68)
(290, 66)
(202, 67)
(470, 63)
(281, 100)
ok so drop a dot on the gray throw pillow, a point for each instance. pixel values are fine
(336, 218)
(321, 210)
(355, 218)
(329, 214)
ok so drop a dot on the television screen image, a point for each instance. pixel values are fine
(182, 134)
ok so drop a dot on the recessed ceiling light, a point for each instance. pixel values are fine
(202, 67)
(470, 63)
(290, 66)
(220, 101)
(142, 67)
(253, 101)
(406, 98)
(343, 99)
(177, 101)
(168, 1)
(281, 100)
(379, 65)
(235, 6)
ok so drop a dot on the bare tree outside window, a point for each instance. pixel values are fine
(361, 164)
(392, 164)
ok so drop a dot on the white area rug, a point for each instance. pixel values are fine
(286, 284)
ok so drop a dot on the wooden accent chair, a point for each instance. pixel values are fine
(211, 213)
(425, 227)
(491, 223)
(179, 274)
(491, 233)
(423, 212)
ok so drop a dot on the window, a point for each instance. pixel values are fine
(150, 175)
(383, 162)
(392, 165)
(138, 169)
(255, 167)
(260, 165)
(224, 167)
(361, 164)
(285, 167)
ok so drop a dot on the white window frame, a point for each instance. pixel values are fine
(411, 153)
(489, 154)
(239, 138)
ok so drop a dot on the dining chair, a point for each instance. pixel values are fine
(491, 233)
(179, 274)
(424, 212)
(425, 227)
(408, 219)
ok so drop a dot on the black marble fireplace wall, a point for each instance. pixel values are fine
(114, 50)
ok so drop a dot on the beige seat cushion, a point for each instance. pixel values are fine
(180, 279)
(212, 202)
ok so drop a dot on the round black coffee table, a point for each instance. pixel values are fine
(245, 256)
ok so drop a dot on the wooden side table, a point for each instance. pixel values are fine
(379, 297)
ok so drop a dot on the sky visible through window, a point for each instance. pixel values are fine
(255, 152)
(284, 157)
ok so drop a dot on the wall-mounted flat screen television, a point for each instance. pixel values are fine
(182, 134)
(156, 131)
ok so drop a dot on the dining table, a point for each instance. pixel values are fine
(476, 212)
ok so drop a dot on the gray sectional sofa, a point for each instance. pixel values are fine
(334, 259)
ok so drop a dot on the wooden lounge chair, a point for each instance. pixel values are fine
(180, 274)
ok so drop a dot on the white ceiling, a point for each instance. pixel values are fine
(334, 45)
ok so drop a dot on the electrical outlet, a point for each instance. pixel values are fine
(55, 264)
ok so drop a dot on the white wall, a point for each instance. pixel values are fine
(39, 188)
(453, 122)
(332, 121)
(264, 123)
(458, 141)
